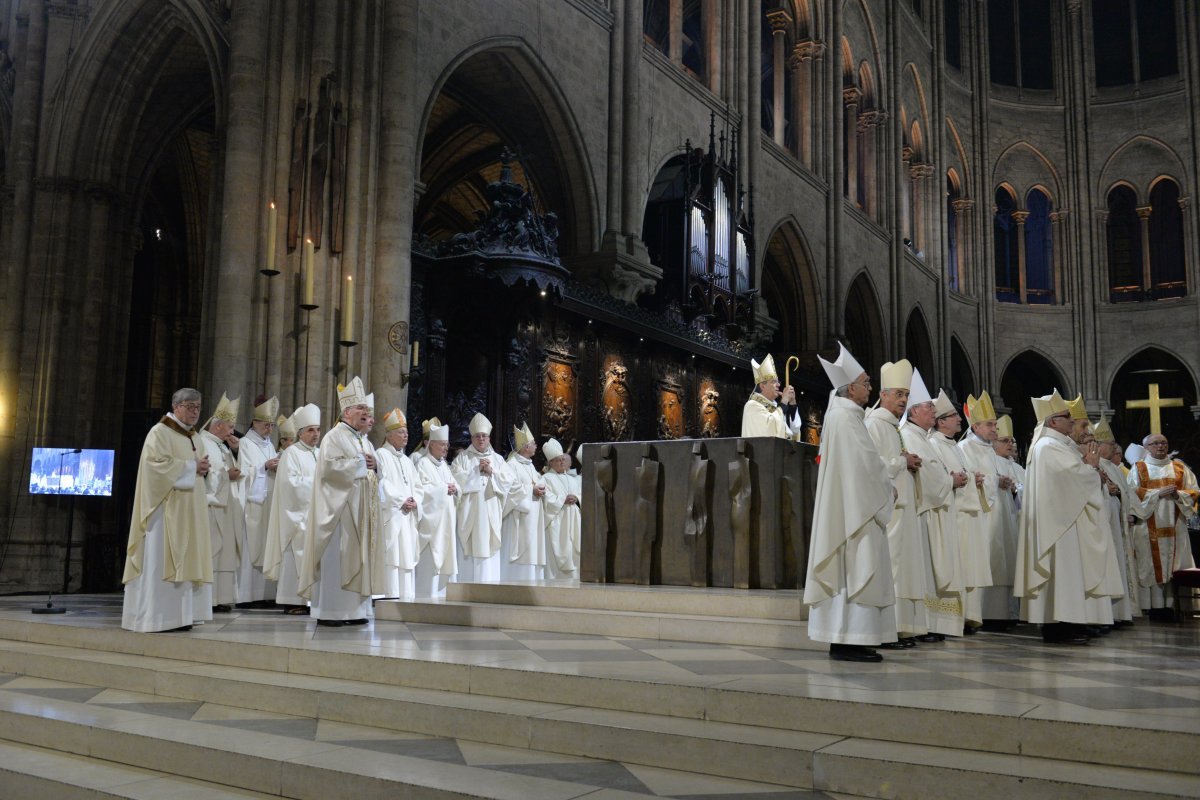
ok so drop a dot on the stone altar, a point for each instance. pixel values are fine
(698, 512)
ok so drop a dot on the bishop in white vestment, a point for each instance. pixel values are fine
(936, 514)
(909, 554)
(227, 523)
(343, 527)
(1118, 496)
(258, 462)
(437, 563)
(947, 424)
(168, 551)
(401, 507)
(849, 584)
(523, 536)
(485, 482)
(1011, 486)
(770, 411)
(290, 503)
(1066, 569)
(564, 524)
(994, 582)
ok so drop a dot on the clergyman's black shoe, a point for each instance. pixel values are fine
(854, 652)
(331, 623)
(931, 637)
(356, 622)
(222, 609)
(1064, 633)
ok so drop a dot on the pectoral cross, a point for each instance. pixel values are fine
(1155, 404)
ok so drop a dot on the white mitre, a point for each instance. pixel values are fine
(479, 424)
(552, 449)
(352, 394)
(439, 433)
(306, 416)
(522, 436)
(896, 375)
(942, 406)
(844, 371)
(918, 392)
(370, 402)
(267, 410)
(286, 427)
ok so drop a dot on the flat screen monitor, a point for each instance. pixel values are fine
(67, 470)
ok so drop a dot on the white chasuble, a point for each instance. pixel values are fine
(849, 579)
(1160, 538)
(398, 484)
(342, 530)
(480, 512)
(966, 524)
(168, 551)
(227, 523)
(523, 537)
(935, 513)
(903, 528)
(1125, 608)
(437, 561)
(563, 524)
(763, 417)
(1066, 568)
(290, 502)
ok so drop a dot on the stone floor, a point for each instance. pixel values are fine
(1146, 677)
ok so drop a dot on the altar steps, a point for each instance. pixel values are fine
(798, 743)
(680, 614)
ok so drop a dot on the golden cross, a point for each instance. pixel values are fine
(1155, 404)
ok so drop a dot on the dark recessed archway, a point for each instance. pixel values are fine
(918, 348)
(1028, 374)
(1132, 382)
(864, 325)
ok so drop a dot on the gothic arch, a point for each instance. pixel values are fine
(863, 323)
(1140, 161)
(141, 73)
(1151, 364)
(1142, 351)
(864, 39)
(962, 374)
(918, 346)
(790, 289)
(461, 134)
(1029, 373)
(1025, 166)
(961, 154)
(915, 88)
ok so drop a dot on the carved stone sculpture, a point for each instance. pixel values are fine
(645, 518)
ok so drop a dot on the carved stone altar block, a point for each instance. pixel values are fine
(770, 481)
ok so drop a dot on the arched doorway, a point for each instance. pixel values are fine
(1028, 374)
(497, 135)
(864, 325)
(147, 147)
(962, 375)
(1175, 383)
(918, 349)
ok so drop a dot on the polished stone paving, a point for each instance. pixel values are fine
(1147, 676)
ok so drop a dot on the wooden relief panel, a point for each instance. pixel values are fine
(615, 400)
(670, 413)
(558, 401)
(710, 409)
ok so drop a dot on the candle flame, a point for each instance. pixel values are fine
(349, 277)
(272, 204)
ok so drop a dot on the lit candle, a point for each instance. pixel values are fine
(416, 359)
(308, 273)
(271, 222)
(348, 311)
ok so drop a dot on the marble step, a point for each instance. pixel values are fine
(28, 772)
(272, 673)
(254, 761)
(782, 604)
(257, 761)
(723, 749)
(663, 626)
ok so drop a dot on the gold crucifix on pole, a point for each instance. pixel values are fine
(1155, 404)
